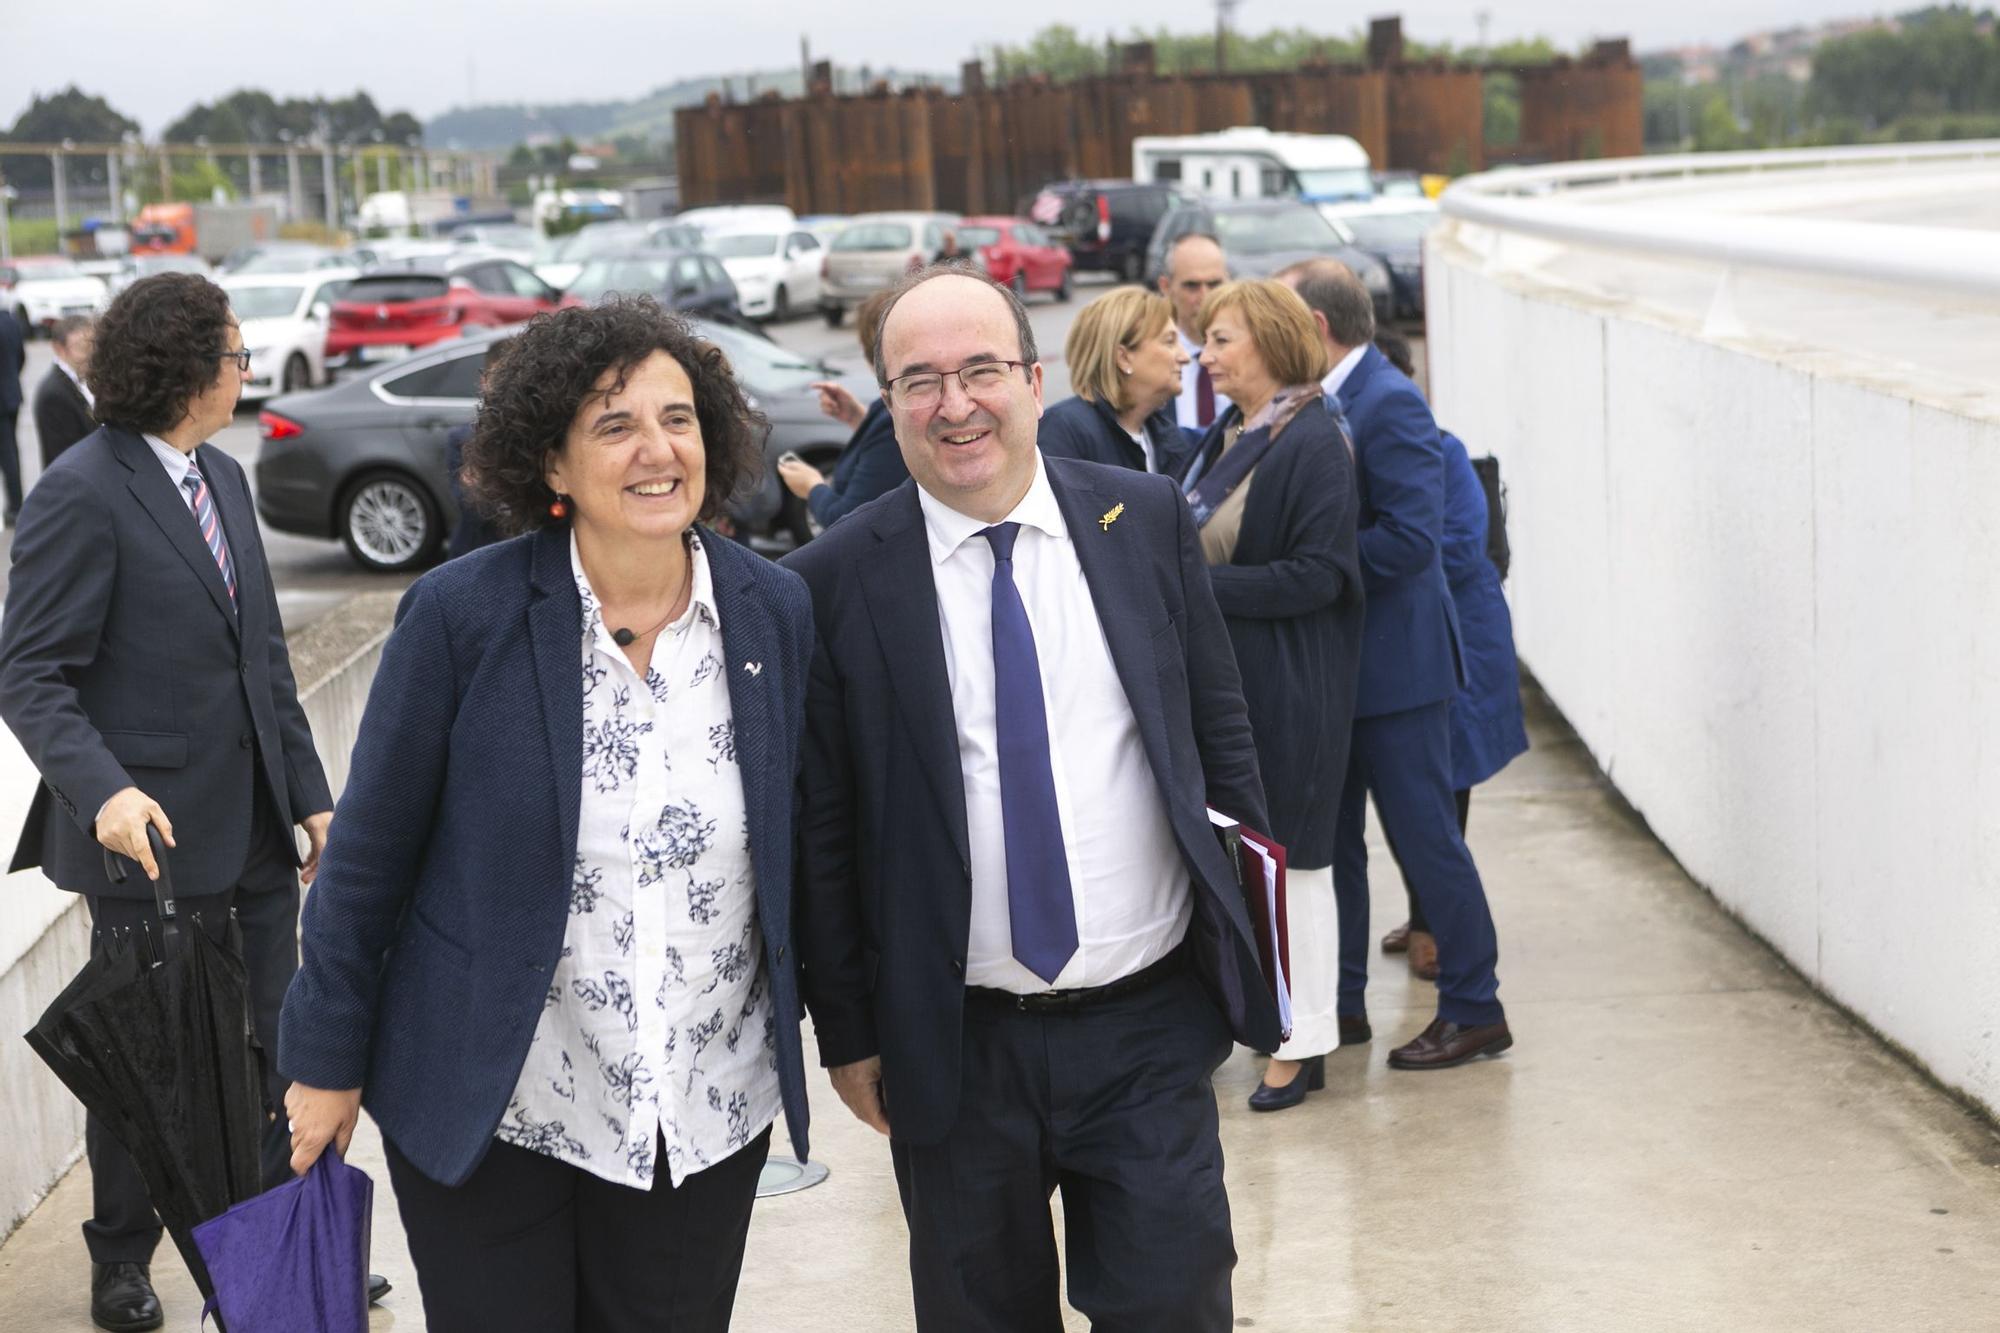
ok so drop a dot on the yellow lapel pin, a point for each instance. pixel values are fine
(1111, 516)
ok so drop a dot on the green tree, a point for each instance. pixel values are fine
(70, 114)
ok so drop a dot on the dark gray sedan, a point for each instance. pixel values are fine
(364, 461)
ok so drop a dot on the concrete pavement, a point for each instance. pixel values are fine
(1684, 1137)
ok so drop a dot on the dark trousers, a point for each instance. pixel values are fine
(1404, 759)
(1463, 799)
(1110, 1104)
(532, 1245)
(10, 463)
(124, 1228)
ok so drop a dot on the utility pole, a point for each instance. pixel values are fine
(805, 66)
(56, 160)
(1224, 11)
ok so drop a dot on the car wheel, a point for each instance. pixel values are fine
(1062, 288)
(833, 314)
(389, 523)
(1128, 269)
(781, 306)
(1018, 284)
(297, 376)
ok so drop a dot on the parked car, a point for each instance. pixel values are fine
(282, 257)
(1017, 253)
(399, 250)
(1263, 236)
(364, 461)
(872, 252)
(43, 289)
(284, 318)
(511, 240)
(1104, 224)
(134, 267)
(825, 226)
(686, 280)
(712, 219)
(390, 311)
(1392, 230)
(561, 258)
(776, 272)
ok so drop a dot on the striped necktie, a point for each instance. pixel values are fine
(211, 526)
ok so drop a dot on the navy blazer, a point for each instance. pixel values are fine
(123, 663)
(13, 356)
(1487, 727)
(1410, 649)
(1292, 596)
(443, 895)
(1087, 429)
(871, 465)
(885, 890)
(62, 417)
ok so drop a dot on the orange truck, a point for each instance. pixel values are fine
(208, 230)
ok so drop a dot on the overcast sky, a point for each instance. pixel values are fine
(153, 60)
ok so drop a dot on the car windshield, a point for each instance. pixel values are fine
(762, 366)
(874, 236)
(1270, 231)
(633, 277)
(282, 261)
(747, 246)
(595, 242)
(389, 287)
(1337, 183)
(43, 269)
(974, 237)
(1390, 229)
(264, 302)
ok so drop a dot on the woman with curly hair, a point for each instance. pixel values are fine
(550, 949)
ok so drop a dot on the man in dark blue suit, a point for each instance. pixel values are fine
(1410, 668)
(13, 355)
(1022, 947)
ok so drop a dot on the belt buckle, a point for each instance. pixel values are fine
(1035, 1001)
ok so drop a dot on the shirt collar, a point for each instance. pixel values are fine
(89, 398)
(177, 464)
(1188, 344)
(1338, 375)
(947, 529)
(701, 597)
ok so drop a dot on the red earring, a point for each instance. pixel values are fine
(557, 509)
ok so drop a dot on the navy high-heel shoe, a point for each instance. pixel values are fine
(1310, 1078)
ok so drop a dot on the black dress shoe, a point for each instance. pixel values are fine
(378, 1287)
(1311, 1077)
(1354, 1030)
(122, 1298)
(1444, 1044)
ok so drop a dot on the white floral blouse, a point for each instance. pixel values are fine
(659, 1027)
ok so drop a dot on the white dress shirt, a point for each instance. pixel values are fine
(1187, 410)
(1129, 883)
(89, 398)
(658, 1026)
(178, 465)
(1145, 443)
(1336, 377)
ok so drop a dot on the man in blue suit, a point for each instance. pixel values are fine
(1022, 946)
(13, 355)
(1411, 666)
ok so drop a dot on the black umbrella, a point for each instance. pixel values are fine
(154, 1038)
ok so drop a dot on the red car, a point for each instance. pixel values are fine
(392, 310)
(1018, 253)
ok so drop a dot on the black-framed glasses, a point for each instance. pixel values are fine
(925, 388)
(242, 359)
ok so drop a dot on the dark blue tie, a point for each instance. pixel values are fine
(1039, 905)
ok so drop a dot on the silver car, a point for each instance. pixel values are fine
(874, 250)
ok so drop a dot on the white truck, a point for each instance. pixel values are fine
(1251, 162)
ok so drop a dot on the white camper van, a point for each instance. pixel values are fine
(1254, 163)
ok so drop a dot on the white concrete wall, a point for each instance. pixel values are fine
(1766, 592)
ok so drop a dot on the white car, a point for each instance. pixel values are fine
(44, 289)
(284, 319)
(716, 218)
(776, 272)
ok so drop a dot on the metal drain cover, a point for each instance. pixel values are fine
(789, 1178)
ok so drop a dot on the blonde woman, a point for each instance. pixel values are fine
(1125, 367)
(1273, 492)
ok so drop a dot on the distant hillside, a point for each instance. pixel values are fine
(500, 127)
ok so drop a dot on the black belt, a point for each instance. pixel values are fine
(1082, 997)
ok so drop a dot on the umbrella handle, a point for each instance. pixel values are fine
(163, 890)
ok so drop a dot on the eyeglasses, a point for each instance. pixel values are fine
(242, 359)
(925, 388)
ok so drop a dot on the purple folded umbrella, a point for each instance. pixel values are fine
(295, 1258)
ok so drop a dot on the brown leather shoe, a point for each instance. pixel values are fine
(1423, 955)
(1444, 1044)
(1397, 940)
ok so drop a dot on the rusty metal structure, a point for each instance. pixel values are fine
(989, 147)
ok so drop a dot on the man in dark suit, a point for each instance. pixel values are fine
(62, 399)
(13, 355)
(1411, 667)
(143, 668)
(1023, 948)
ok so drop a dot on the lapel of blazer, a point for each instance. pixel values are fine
(902, 601)
(555, 629)
(1357, 379)
(748, 645)
(156, 495)
(1114, 557)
